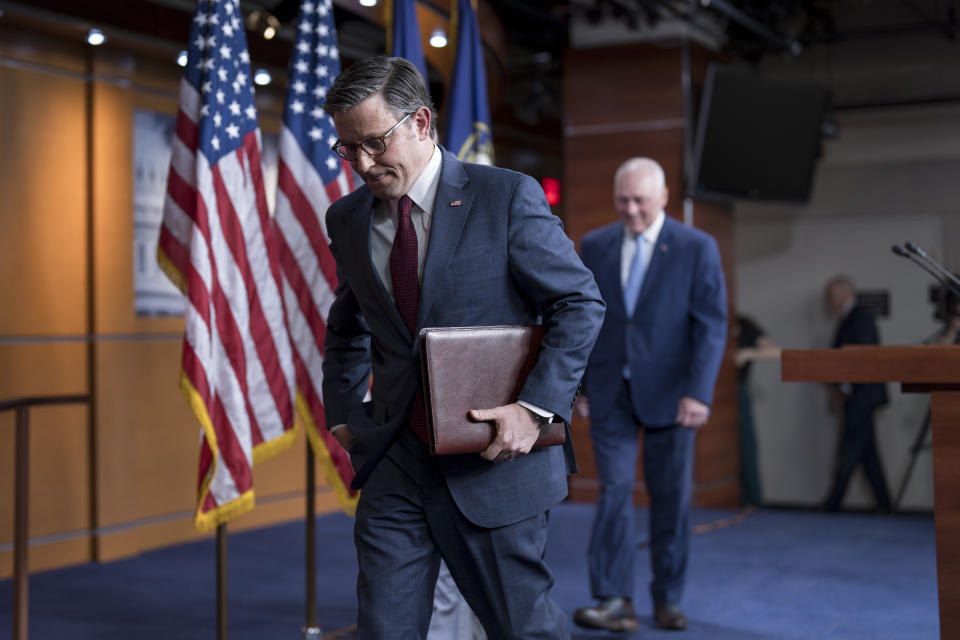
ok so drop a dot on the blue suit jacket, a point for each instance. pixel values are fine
(496, 256)
(674, 342)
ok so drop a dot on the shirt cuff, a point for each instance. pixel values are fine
(537, 410)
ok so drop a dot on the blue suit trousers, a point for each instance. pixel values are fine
(667, 471)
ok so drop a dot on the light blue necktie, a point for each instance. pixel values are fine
(634, 279)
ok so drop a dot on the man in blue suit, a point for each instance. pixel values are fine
(429, 241)
(652, 372)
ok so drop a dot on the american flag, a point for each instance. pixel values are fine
(216, 244)
(311, 176)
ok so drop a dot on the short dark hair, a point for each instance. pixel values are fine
(396, 79)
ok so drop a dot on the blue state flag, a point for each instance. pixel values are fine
(468, 119)
(406, 35)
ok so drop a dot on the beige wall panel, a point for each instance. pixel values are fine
(52, 555)
(42, 368)
(39, 369)
(43, 191)
(147, 438)
(284, 472)
(51, 50)
(113, 208)
(59, 471)
(144, 536)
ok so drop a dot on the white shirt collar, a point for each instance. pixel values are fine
(423, 192)
(651, 233)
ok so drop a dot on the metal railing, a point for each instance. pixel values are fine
(21, 490)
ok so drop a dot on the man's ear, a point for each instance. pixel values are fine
(421, 120)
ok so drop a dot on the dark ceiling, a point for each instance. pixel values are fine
(747, 28)
(538, 31)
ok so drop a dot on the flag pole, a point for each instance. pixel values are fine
(222, 581)
(311, 631)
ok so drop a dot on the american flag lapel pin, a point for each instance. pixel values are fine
(455, 203)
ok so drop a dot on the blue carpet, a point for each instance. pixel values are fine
(765, 575)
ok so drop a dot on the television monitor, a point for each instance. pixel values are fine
(757, 138)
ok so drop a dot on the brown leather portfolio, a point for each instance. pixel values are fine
(468, 368)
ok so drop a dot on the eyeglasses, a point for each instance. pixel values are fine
(371, 146)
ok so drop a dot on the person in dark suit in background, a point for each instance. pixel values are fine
(652, 372)
(429, 241)
(857, 402)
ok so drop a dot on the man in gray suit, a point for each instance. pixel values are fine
(429, 241)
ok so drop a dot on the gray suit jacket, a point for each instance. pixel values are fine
(496, 256)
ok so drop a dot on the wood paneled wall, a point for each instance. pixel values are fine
(118, 477)
(627, 101)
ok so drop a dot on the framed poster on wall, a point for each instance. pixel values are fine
(154, 294)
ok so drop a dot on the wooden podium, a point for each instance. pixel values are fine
(918, 369)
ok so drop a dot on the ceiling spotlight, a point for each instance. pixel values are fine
(269, 31)
(264, 22)
(182, 58)
(95, 37)
(438, 38)
(262, 77)
(368, 3)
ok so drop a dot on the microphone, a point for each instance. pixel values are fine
(903, 253)
(912, 248)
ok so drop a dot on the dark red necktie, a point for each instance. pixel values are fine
(406, 293)
(403, 266)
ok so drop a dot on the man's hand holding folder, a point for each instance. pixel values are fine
(517, 431)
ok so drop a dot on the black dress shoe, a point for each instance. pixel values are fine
(670, 617)
(612, 614)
